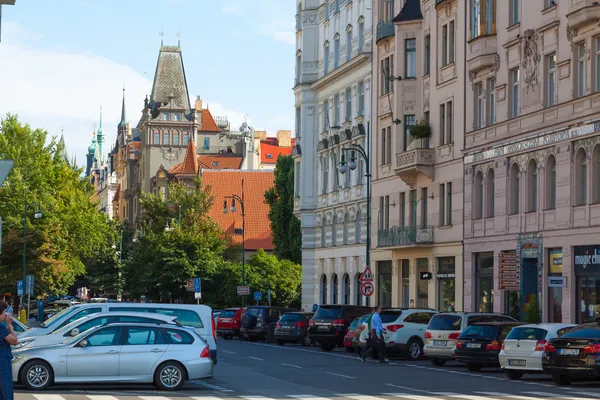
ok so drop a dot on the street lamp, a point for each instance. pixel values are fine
(233, 209)
(37, 215)
(343, 168)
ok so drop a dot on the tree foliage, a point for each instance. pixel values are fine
(287, 236)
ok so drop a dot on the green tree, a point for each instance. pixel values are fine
(71, 228)
(287, 236)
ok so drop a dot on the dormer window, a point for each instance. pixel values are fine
(215, 163)
(270, 156)
(167, 116)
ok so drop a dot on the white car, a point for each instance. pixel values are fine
(164, 355)
(523, 347)
(83, 324)
(404, 330)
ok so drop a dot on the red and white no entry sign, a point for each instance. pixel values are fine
(366, 289)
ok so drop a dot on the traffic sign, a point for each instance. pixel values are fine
(197, 287)
(367, 289)
(29, 287)
(19, 288)
(189, 285)
(243, 290)
(269, 294)
(258, 296)
(197, 295)
(367, 275)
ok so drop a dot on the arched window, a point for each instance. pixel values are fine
(580, 178)
(346, 294)
(490, 193)
(334, 289)
(334, 231)
(323, 289)
(596, 174)
(532, 179)
(514, 188)
(478, 196)
(358, 296)
(357, 232)
(346, 228)
(550, 176)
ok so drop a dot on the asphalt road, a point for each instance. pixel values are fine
(260, 371)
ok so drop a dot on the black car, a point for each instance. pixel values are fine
(330, 324)
(257, 320)
(479, 345)
(574, 355)
(293, 328)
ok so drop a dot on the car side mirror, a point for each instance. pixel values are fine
(83, 343)
(75, 332)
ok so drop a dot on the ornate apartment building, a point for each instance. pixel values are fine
(532, 165)
(332, 91)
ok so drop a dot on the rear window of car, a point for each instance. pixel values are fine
(291, 317)
(527, 334)
(325, 312)
(389, 316)
(227, 314)
(445, 323)
(353, 325)
(363, 318)
(587, 333)
(179, 337)
(184, 317)
(480, 331)
(256, 311)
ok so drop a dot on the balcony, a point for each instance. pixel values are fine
(385, 29)
(415, 162)
(482, 53)
(582, 12)
(405, 236)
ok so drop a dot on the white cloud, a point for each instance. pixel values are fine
(232, 8)
(282, 30)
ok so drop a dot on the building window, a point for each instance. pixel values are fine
(156, 138)
(334, 231)
(176, 139)
(384, 212)
(597, 63)
(491, 101)
(326, 58)
(361, 98)
(532, 179)
(550, 172)
(410, 58)
(484, 282)
(478, 105)
(449, 124)
(357, 283)
(326, 116)
(402, 210)
(412, 216)
(405, 283)
(427, 55)
(551, 80)
(348, 97)
(386, 145)
(490, 193)
(424, 207)
(298, 68)
(451, 42)
(580, 178)
(426, 118)
(359, 169)
(206, 143)
(596, 174)
(549, 3)
(478, 196)
(186, 139)
(167, 116)
(387, 70)
(324, 174)
(361, 37)
(514, 188)
(357, 233)
(336, 110)
(409, 120)
(514, 93)
(349, 44)
(336, 52)
(324, 288)
(167, 138)
(446, 204)
(581, 69)
(442, 124)
(298, 181)
(444, 45)
(483, 17)
(298, 122)
(514, 12)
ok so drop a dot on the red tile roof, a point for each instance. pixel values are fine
(208, 122)
(271, 146)
(229, 182)
(189, 166)
(224, 161)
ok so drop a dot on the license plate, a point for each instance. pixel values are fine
(259, 324)
(568, 352)
(323, 327)
(517, 363)
(440, 342)
(473, 345)
(286, 327)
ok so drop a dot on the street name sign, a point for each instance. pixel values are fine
(243, 290)
(29, 284)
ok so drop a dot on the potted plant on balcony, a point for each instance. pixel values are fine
(421, 131)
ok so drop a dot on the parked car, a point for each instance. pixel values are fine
(523, 348)
(216, 314)
(352, 332)
(360, 328)
(126, 353)
(257, 320)
(574, 355)
(229, 323)
(293, 328)
(480, 344)
(444, 329)
(330, 324)
(83, 324)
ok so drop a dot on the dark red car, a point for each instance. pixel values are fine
(229, 323)
(351, 334)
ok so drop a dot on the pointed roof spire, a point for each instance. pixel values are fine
(123, 122)
(100, 138)
(190, 165)
(170, 84)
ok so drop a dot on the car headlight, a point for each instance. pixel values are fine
(17, 359)
(23, 344)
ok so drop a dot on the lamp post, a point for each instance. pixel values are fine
(343, 168)
(240, 199)
(37, 215)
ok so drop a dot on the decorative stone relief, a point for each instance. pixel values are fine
(484, 168)
(170, 154)
(472, 77)
(309, 16)
(410, 105)
(541, 156)
(571, 33)
(531, 59)
(588, 144)
(409, 35)
(496, 67)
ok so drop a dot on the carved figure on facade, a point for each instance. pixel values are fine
(496, 66)
(531, 59)
(472, 77)
(542, 155)
(170, 154)
(571, 33)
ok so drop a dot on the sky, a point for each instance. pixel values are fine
(61, 60)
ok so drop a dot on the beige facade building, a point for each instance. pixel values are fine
(417, 205)
(532, 165)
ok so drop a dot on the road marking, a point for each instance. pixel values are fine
(593, 394)
(101, 397)
(361, 397)
(462, 396)
(544, 394)
(206, 398)
(306, 397)
(409, 396)
(340, 375)
(153, 398)
(256, 358)
(292, 365)
(48, 397)
(256, 398)
(406, 388)
(497, 394)
(210, 386)
(228, 352)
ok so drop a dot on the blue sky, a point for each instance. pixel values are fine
(60, 60)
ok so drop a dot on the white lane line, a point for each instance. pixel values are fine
(153, 398)
(340, 375)
(593, 394)
(513, 396)
(306, 397)
(409, 396)
(205, 398)
(406, 388)
(99, 397)
(545, 394)
(48, 397)
(256, 358)
(463, 396)
(228, 352)
(292, 365)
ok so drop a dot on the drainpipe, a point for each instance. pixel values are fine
(465, 24)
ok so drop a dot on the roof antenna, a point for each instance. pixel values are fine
(179, 38)
(162, 35)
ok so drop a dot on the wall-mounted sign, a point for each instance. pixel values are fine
(426, 275)
(446, 276)
(555, 261)
(586, 259)
(510, 271)
(556, 281)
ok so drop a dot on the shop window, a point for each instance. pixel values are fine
(532, 186)
(324, 289)
(514, 188)
(478, 196)
(446, 280)
(580, 177)
(550, 172)
(587, 270)
(555, 283)
(384, 282)
(580, 71)
(484, 282)
(422, 284)
(405, 283)
(490, 193)
(334, 289)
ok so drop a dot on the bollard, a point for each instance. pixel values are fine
(23, 317)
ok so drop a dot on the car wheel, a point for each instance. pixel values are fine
(169, 376)
(415, 349)
(37, 375)
(473, 367)
(307, 341)
(513, 374)
(281, 342)
(327, 346)
(562, 380)
(350, 349)
(437, 362)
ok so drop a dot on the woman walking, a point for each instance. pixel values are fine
(7, 338)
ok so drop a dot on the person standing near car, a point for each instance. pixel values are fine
(7, 338)
(376, 342)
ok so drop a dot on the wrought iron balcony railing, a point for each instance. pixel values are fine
(405, 236)
(385, 29)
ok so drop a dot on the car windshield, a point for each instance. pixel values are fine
(227, 314)
(363, 318)
(328, 312)
(584, 333)
(527, 334)
(50, 321)
(291, 318)
(68, 327)
(445, 323)
(480, 331)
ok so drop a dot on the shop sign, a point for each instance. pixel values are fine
(555, 261)
(510, 271)
(556, 281)
(426, 275)
(587, 259)
(446, 276)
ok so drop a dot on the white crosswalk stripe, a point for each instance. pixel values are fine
(48, 397)
(102, 397)
(512, 396)
(153, 398)
(306, 397)
(359, 397)
(409, 396)
(555, 395)
(585, 393)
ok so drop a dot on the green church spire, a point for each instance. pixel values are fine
(100, 139)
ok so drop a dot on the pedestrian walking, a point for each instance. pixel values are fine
(376, 342)
(7, 338)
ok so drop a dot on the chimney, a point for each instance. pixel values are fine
(198, 103)
(284, 138)
(262, 135)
